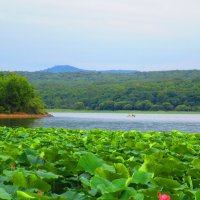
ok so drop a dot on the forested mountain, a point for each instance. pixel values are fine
(62, 68)
(165, 90)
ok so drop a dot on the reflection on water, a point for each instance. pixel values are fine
(17, 123)
(112, 121)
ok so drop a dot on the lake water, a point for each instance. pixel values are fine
(112, 121)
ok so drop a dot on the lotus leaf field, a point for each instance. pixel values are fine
(61, 164)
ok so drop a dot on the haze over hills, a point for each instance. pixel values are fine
(68, 68)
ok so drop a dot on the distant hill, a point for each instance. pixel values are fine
(68, 68)
(62, 68)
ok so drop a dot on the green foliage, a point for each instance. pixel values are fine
(168, 90)
(107, 105)
(183, 108)
(89, 162)
(197, 195)
(79, 105)
(140, 177)
(143, 105)
(128, 107)
(18, 95)
(59, 164)
(167, 106)
(4, 194)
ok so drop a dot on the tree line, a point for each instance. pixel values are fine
(18, 95)
(172, 90)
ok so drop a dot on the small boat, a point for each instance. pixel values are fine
(131, 115)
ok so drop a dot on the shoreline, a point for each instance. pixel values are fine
(120, 111)
(22, 115)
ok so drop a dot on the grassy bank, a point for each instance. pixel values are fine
(122, 111)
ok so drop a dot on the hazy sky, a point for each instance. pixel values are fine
(100, 34)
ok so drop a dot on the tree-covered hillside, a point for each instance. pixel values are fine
(18, 95)
(167, 90)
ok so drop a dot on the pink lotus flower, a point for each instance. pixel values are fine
(163, 196)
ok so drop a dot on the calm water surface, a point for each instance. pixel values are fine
(113, 121)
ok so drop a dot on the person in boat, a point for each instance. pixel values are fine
(131, 115)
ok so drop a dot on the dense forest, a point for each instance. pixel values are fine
(166, 90)
(18, 95)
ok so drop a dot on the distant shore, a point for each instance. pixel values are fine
(22, 115)
(120, 111)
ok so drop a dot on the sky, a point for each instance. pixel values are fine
(145, 35)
